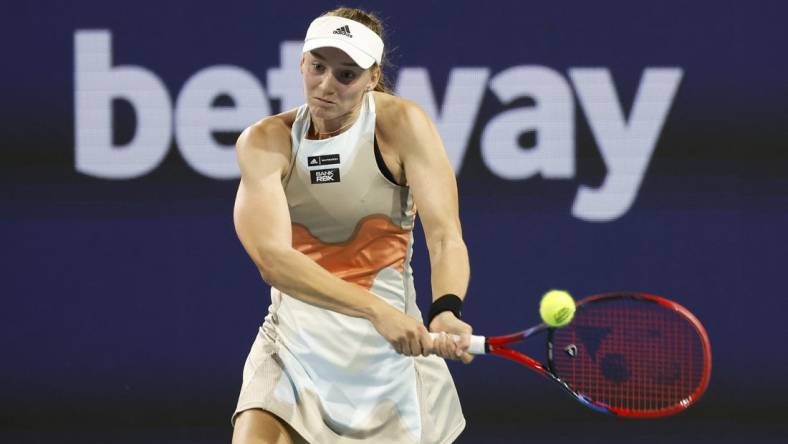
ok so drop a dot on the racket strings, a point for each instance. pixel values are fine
(633, 356)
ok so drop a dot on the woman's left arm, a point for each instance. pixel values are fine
(431, 179)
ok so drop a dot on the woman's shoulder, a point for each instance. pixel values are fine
(269, 130)
(398, 116)
(397, 112)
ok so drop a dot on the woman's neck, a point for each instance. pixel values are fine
(323, 128)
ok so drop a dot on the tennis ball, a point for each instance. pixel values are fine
(557, 308)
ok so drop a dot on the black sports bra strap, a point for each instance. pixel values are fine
(381, 164)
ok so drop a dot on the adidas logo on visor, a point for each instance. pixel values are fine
(343, 30)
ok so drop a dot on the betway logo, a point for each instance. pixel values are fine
(626, 144)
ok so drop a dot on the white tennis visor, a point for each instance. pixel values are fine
(356, 40)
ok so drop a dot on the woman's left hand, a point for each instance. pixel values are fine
(444, 346)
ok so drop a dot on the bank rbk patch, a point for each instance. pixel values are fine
(325, 176)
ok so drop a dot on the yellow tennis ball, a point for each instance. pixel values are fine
(557, 308)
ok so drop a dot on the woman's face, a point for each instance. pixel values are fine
(333, 83)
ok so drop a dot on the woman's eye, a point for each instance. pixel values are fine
(348, 75)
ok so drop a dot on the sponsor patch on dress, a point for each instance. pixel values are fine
(325, 176)
(327, 159)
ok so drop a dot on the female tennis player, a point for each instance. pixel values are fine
(325, 209)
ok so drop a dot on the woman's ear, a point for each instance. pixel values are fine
(374, 78)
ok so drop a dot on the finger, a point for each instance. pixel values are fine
(451, 347)
(437, 344)
(407, 348)
(415, 347)
(467, 358)
(462, 344)
(402, 347)
(427, 344)
(455, 346)
(447, 346)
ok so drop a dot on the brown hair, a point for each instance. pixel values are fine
(373, 22)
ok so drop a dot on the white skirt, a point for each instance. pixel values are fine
(333, 379)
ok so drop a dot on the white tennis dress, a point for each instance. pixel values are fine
(332, 377)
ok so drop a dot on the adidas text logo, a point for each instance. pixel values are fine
(326, 159)
(343, 30)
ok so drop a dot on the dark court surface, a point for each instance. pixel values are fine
(588, 432)
(509, 430)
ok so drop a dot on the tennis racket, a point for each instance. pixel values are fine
(626, 354)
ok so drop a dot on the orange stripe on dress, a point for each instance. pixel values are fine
(376, 243)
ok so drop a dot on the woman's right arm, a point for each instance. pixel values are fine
(262, 221)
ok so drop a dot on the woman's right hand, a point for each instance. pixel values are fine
(408, 336)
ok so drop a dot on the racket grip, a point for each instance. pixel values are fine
(475, 348)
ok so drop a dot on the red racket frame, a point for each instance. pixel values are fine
(496, 345)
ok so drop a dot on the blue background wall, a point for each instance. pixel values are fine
(129, 305)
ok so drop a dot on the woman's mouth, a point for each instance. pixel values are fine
(324, 100)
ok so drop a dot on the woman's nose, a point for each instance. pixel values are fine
(327, 83)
